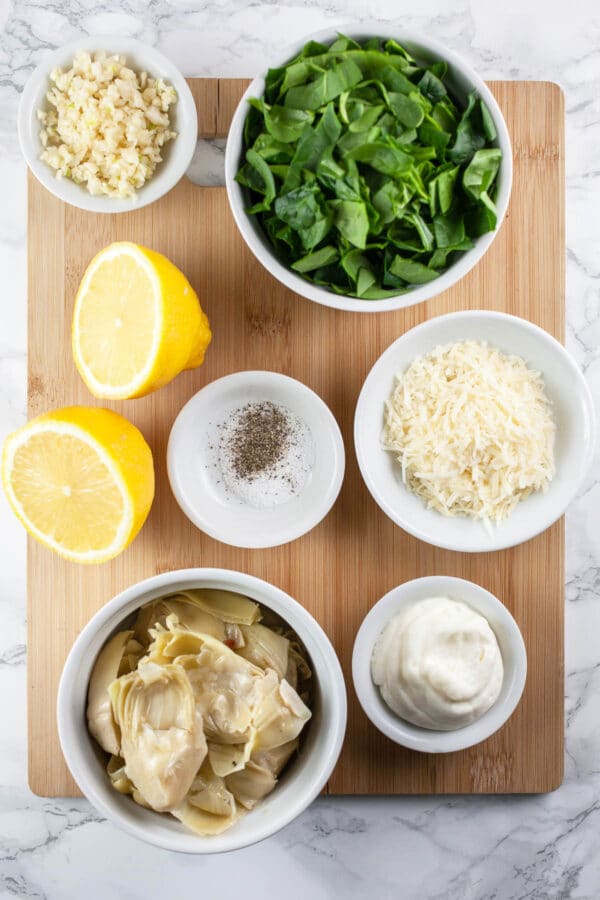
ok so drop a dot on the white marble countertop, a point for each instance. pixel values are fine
(468, 848)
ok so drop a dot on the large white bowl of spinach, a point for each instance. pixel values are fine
(371, 172)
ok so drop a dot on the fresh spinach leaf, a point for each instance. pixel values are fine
(353, 261)
(445, 114)
(275, 152)
(395, 81)
(432, 135)
(407, 109)
(314, 142)
(260, 178)
(481, 172)
(316, 260)
(325, 87)
(367, 174)
(432, 86)
(422, 229)
(305, 212)
(449, 230)
(366, 279)
(470, 135)
(441, 190)
(351, 220)
(481, 219)
(366, 120)
(286, 124)
(411, 271)
(382, 156)
(391, 198)
(439, 69)
(439, 258)
(488, 123)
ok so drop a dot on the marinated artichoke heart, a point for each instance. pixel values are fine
(210, 807)
(99, 711)
(162, 740)
(118, 776)
(225, 605)
(120, 781)
(224, 685)
(280, 713)
(265, 648)
(259, 777)
(198, 707)
(190, 617)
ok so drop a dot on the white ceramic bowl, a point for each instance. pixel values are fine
(461, 77)
(509, 639)
(177, 154)
(196, 481)
(299, 784)
(573, 411)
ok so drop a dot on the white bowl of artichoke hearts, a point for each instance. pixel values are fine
(202, 710)
(474, 431)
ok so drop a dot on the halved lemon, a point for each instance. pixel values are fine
(137, 323)
(81, 481)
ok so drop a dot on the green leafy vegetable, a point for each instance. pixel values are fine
(324, 87)
(316, 260)
(481, 172)
(366, 173)
(285, 124)
(351, 220)
(411, 271)
(306, 214)
(471, 132)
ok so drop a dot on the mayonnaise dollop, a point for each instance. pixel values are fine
(438, 664)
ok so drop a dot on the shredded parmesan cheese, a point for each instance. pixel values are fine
(472, 429)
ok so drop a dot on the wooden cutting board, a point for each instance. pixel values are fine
(356, 554)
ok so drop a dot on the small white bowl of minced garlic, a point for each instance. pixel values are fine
(439, 664)
(107, 124)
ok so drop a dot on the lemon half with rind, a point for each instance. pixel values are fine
(81, 480)
(137, 323)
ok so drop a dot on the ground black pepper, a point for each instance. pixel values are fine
(260, 438)
(265, 453)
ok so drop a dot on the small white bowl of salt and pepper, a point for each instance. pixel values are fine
(255, 459)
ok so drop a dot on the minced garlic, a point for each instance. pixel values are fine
(106, 124)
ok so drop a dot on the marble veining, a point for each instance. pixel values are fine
(431, 848)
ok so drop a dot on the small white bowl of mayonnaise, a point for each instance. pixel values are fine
(439, 664)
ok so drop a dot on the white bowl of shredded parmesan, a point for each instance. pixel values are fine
(107, 124)
(474, 431)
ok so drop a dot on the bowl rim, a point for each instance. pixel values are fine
(497, 542)
(170, 170)
(118, 608)
(327, 500)
(405, 733)
(321, 295)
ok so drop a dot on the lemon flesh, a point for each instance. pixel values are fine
(81, 481)
(137, 323)
(118, 322)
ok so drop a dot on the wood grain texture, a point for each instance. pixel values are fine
(340, 569)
